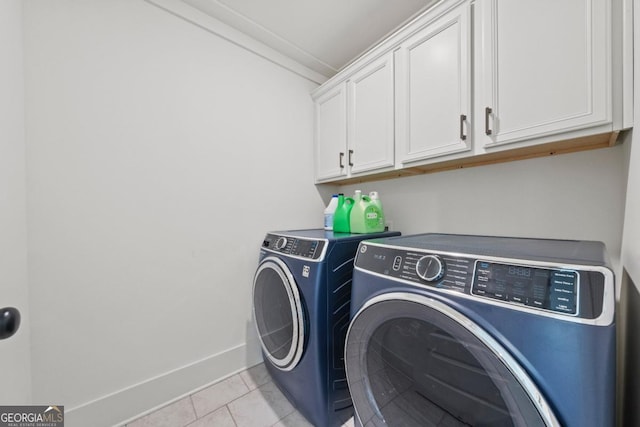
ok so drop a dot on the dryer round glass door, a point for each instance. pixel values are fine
(414, 361)
(278, 314)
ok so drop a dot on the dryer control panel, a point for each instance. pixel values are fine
(550, 289)
(553, 288)
(295, 246)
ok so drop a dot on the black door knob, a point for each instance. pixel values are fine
(9, 321)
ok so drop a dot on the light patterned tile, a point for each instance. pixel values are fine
(295, 419)
(255, 376)
(262, 407)
(350, 423)
(219, 418)
(177, 414)
(219, 394)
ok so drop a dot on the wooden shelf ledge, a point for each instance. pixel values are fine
(591, 142)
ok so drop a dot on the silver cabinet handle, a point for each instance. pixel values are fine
(350, 155)
(487, 113)
(463, 117)
(341, 160)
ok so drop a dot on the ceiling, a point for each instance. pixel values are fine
(323, 35)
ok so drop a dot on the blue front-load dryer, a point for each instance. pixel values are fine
(452, 330)
(301, 303)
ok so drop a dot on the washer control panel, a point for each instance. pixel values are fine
(553, 289)
(294, 246)
(546, 288)
(430, 269)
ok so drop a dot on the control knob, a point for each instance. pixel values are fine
(281, 242)
(430, 268)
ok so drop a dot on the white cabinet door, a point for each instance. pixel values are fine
(545, 68)
(434, 94)
(371, 117)
(331, 134)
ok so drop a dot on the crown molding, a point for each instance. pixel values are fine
(246, 41)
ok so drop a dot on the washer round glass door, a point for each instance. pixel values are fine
(277, 310)
(414, 361)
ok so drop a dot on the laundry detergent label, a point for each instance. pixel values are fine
(371, 219)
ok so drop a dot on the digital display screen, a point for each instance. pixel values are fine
(519, 271)
(542, 288)
(304, 248)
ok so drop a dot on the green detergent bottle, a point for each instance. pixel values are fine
(375, 199)
(342, 214)
(365, 215)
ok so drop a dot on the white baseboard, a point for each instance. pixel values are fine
(125, 405)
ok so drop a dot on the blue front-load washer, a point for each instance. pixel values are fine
(452, 330)
(301, 302)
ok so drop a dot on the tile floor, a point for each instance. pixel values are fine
(247, 399)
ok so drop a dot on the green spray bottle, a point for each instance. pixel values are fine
(342, 214)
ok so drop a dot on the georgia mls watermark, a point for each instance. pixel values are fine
(32, 416)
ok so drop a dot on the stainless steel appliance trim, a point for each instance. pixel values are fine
(295, 353)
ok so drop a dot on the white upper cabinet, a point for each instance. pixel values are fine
(370, 117)
(331, 134)
(434, 92)
(544, 67)
(474, 82)
(355, 123)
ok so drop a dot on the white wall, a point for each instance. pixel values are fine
(570, 196)
(14, 352)
(631, 241)
(159, 155)
(630, 303)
